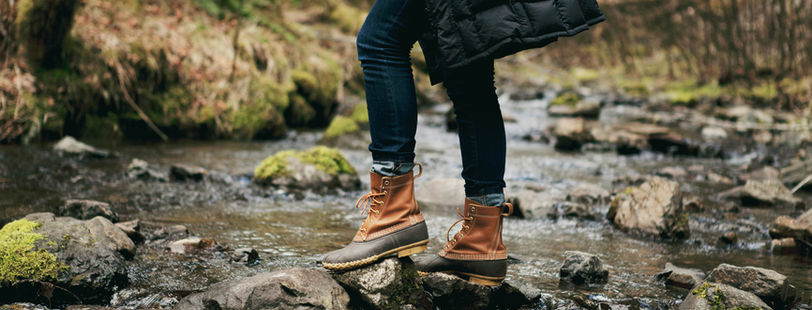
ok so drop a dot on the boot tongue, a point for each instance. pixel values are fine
(375, 182)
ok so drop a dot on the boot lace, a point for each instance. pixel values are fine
(465, 220)
(369, 201)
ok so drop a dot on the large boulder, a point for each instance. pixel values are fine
(87, 209)
(452, 292)
(62, 258)
(715, 296)
(654, 209)
(583, 268)
(320, 168)
(70, 146)
(680, 277)
(293, 288)
(772, 287)
(761, 193)
(389, 284)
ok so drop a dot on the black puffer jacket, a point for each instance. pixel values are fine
(464, 31)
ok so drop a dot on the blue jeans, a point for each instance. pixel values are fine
(384, 45)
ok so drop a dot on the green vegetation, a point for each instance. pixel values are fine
(328, 160)
(341, 125)
(566, 99)
(718, 297)
(360, 114)
(18, 258)
(42, 27)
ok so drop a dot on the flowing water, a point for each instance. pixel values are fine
(294, 231)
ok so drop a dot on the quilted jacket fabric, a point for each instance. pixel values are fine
(465, 31)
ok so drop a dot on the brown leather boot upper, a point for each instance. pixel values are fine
(391, 206)
(481, 235)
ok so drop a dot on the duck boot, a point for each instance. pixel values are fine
(393, 226)
(476, 252)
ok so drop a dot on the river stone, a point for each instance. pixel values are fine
(536, 205)
(570, 133)
(70, 146)
(582, 108)
(87, 209)
(181, 172)
(385, 285)
(139, 169)
(292, 288)
(192, 245)
(443, 194)
(799, 229)
(772, 287)
(624, 142)
(569, 209)
(764, 174)
(95, 252)
(782, 246)
(796, 172)
(305, 176)
(714, 133)
(715, 296)
(589, 194)
(451, 292)
(680, 277)
(132, 229)
(245, 256)
(761, 193)
(583, 268)
(654, 208)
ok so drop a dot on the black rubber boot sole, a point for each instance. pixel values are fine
(402, 243)
(483, 272)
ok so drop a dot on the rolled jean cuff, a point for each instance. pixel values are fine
(476, 191)
(391, 168)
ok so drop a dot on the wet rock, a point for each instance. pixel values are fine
(139, 169)
(766, 193)
(718, 178)
(680, 277)
(570, 134)
(787, 227)
(574, 210)
(245, 256)
(171, 232)
(589, 194)
(712, 296)
(772, 287)
(582, 108)
(181, 172)
(443, 194)
(729, 238)
(692, 204)
(714, 133)
(796, 173)
(388, 284)
(654, 208)
(132, 229)
(70, 146)
(451, 292)
(193, 245)
(526, 93)
(87, 209)
(69, 258)
(782, 246)
(293, 288)
(623, 141)
(535, 205)
(583, 268)
(763, 174)
(318, 169)
(672, 172)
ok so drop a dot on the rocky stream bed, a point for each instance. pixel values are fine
(622, 205)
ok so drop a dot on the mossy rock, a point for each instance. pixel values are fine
(341, 125)
(300, 113)
(42, 27)
(85, 259)
(716, 296)
(318, 85)
(258, 119)
(360, 114)
(19, 260)
(566, 99)
(318, 168)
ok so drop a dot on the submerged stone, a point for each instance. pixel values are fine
(583, 268)
(71, 146)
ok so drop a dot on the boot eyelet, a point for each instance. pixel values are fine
(473, 209)
(386, 182)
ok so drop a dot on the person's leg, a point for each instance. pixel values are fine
(476, 251)
(481, 131)
(394, 225)
(384, 45)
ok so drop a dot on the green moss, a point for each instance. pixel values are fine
(318, 85)
(585, 75)
(300, 113)
(348, 18)
(688, 91)
(566, 99)
(360, 114)
(42, 27)
(328, 160)
(341, 125)
(18, 258)
(264, 90)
